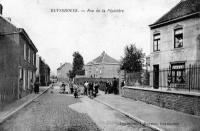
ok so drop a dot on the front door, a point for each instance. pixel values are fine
(156, 76)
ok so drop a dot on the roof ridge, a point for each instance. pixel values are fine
(183, 9)
(167, 12)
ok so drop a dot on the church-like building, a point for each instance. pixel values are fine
(103, 66)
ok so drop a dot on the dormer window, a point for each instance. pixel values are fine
(156, 42)
(178, 38)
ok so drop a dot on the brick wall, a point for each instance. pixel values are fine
(186, 103)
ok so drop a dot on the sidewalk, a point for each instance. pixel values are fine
(150, 115)
(12, 108)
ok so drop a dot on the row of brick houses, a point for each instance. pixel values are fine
(17, 61)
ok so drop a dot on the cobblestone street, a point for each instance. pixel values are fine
(62, 112)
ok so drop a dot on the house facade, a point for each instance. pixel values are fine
(175, 43)
(17, 61)
(103, 66)
(42, 72)
(63, 72)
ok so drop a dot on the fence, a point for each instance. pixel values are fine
(174, 78)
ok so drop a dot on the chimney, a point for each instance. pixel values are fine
(1, 9)
(8, 18)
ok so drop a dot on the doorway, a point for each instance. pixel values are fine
(156, 76)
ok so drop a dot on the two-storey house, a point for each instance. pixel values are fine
(175, 43)
(17, 61)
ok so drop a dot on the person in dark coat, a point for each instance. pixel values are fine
(36, 87)
(96, 86)
(115, 86)
(90, 89)
(107, 87)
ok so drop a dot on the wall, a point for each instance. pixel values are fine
(187, 103)
(9, 45)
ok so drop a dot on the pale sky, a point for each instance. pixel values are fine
(58, 35)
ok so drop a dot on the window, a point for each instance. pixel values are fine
(29, 55)
(24, 79)
(33, 59)
(178, 38)
(20, 73)
(178, 73)
(24, 51)
(156, 42)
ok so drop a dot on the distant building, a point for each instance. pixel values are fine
(103, 66)
(17, 61)
(42, 72)
(175, 41)
(63, 72)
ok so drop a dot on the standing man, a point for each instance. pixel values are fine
(36, 87)
(115, 85)
(107, 87)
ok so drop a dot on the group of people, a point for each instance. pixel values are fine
(34, 86)
(111, 87)
(74, 89)
(91, 89)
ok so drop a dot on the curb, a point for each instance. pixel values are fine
(20, 107)
(130, 116)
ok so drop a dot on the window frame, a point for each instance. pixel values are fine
(29, 55)
(24, 51)
(157, 40)
(33, 57)
(176, 44)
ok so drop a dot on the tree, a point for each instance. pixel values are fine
(133, 59)
(78, 64)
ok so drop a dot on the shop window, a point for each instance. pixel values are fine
(178, 73)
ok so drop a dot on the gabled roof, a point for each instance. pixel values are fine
(28, 38)
(66, 63)
(185, 8)
(18, 31)
(103, 58)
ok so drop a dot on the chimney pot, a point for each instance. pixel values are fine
(9, 18)
(1, 9)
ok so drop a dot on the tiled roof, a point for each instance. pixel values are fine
(182, 9)
(59, 68)
(103, 58)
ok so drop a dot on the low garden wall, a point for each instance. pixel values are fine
(184, 102)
